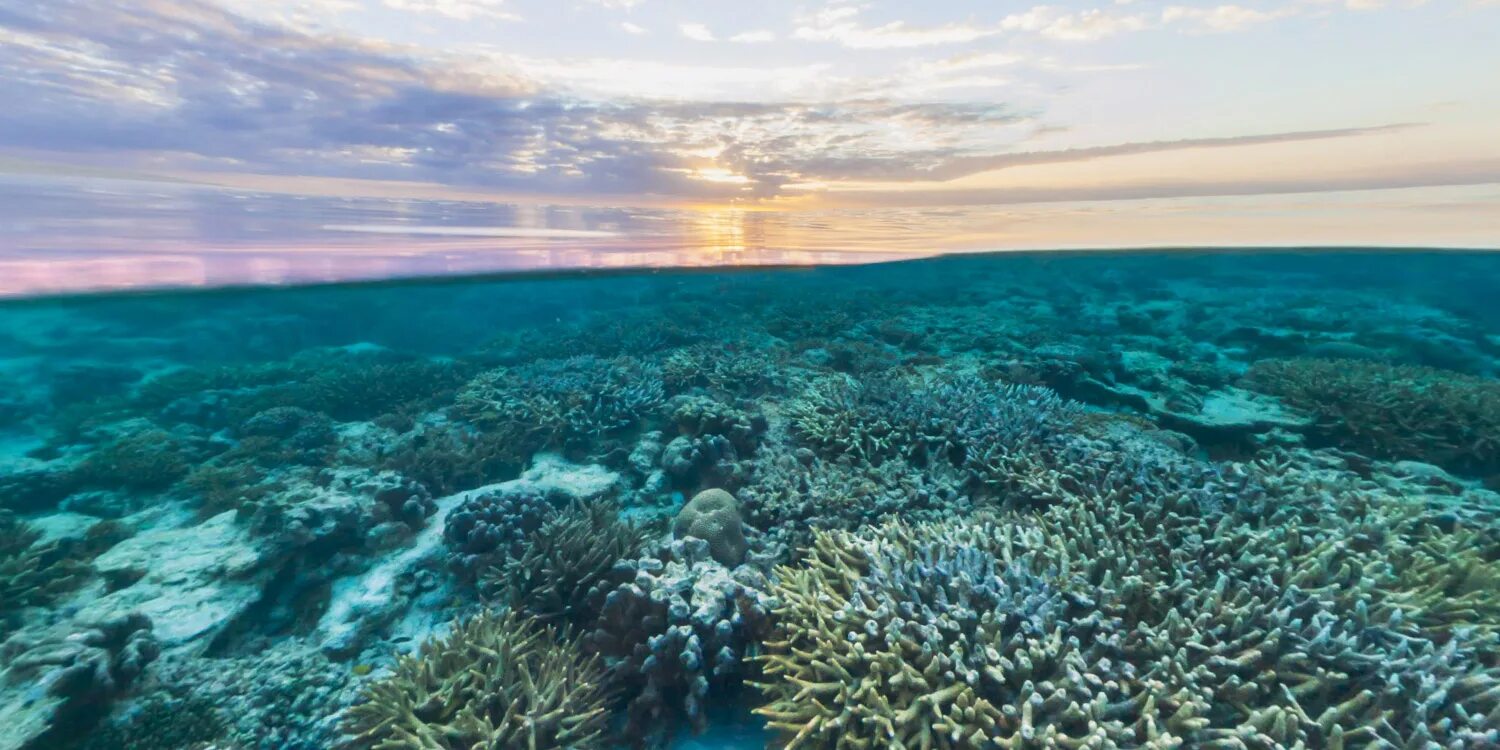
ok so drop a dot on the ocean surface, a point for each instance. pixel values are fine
(1184, 499)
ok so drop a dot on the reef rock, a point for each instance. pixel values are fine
(58, 680)
(378, 598)
(192, 581)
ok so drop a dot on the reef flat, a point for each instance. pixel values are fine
(1174, 500)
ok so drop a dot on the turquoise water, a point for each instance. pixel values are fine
(1127, 500)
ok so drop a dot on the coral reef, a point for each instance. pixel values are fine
(286, 698)
(1125, 614)
(1080, 501)
(163, 723)
(1393, 411)
(142, 460)
(59, 680)
(562, 403)
(676, 625)
(563, 562)
(31, 573)
(489, 528)
(714, 516)
(495, 681)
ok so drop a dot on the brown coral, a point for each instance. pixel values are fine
(714, 516)
(496, 682)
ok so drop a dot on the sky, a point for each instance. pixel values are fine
(1346, 114)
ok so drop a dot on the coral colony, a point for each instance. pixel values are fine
(1211, 501)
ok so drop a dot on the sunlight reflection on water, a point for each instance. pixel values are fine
(75, 234)
(84, 235)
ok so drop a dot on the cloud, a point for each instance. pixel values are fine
(631, 28)
(1221, 18)
(753, 37)
(186, 85)
(1080, 26)
(968, 165)
(1467, 172)
(696, 32)
(840, 23)
(458, 10)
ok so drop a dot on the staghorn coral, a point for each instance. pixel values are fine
(1148, 617)
(741, 368)
(791, 492)
(962, 420)
(1393, 411)
(569, 403)
(355, 385)
(495, 681)
(900, 641)
(714, 516)
(839, 415)
(563, 561)
(451, 458)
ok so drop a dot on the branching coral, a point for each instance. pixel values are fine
(163, 722)
(143, 460)
(352, 387)
(1128, 613)
(1393, 411)
(451, 458)
(563, 562)
(31, 574)
(562, 403)
(960, 420)
(496, 681)
(740, 368)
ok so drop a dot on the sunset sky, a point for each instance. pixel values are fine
(772, 105)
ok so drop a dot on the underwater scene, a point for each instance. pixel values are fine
(1181, 499)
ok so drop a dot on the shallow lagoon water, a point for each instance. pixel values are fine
(1188, 499)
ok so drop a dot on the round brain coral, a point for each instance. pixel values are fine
(714, 516)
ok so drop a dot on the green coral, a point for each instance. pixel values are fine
(564, 561)
(451, 458)
(142, 460)
(498, 682)
(357, 388)
(562, 403)
(1393, 411)
(227, 487)
(163, 723)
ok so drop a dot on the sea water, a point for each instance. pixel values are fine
(1200, 499)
